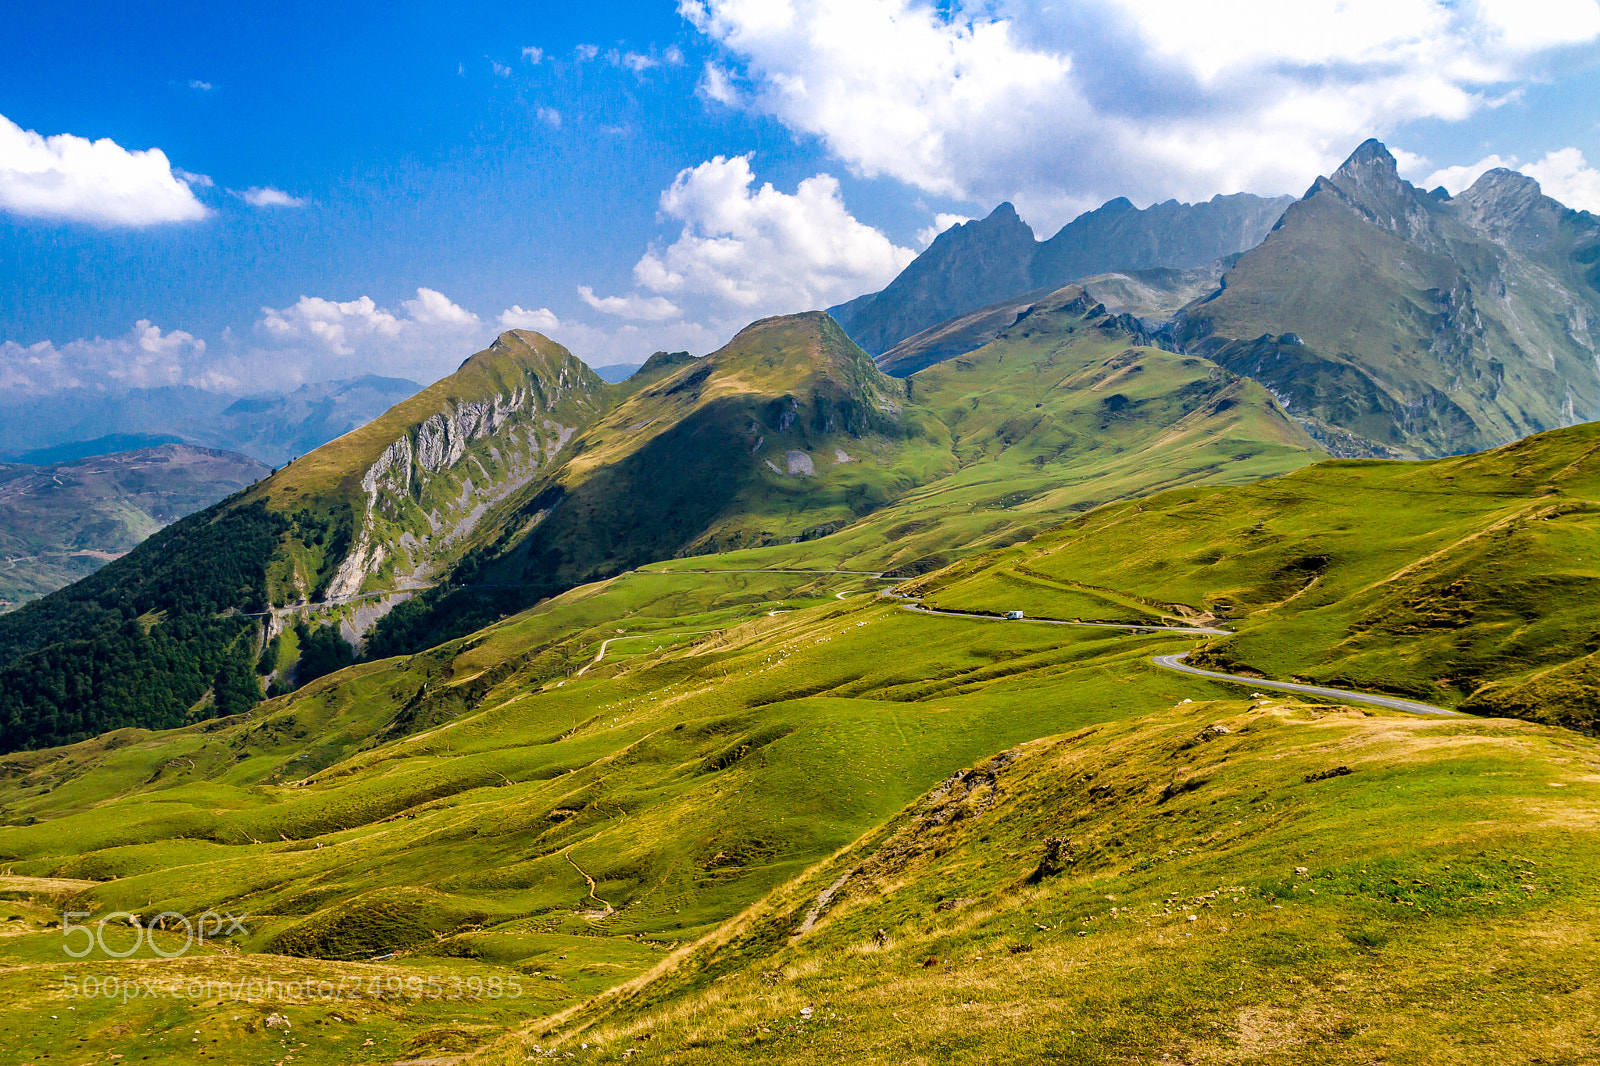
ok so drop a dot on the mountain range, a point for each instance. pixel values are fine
(1389, 321)
(523, 475)
(269, 427)
(997, 258)
(1394, 321)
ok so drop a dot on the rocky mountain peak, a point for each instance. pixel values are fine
(1370, 182)
(1511, 208)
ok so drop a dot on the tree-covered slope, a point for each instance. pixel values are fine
(1402, 323)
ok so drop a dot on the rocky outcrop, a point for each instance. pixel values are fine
(432, 485)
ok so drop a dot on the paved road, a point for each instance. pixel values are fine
(1175, 662)
(1194, 631)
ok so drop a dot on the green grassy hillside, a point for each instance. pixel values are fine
(1467, 582)
(1061, 413)
(1218, 882)
(649, 785)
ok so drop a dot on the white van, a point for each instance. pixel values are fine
(1012, 616)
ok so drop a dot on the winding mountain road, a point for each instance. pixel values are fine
(1176, 664)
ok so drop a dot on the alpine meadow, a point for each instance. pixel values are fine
(1162, 632)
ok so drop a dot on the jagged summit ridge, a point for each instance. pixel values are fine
(998, 258)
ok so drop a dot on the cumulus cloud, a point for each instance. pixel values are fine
(1563, 174)
(339, 327)
(200, 86)
(518, 317)
(550, 117)
(499, 68)
(1059, 106)
(1567, 176)
(75, 179)
(643, 308)
(315, 338)
(533, 55)
(583, 53)
(143, 358)
(747, 252)
(267, 196)
(941, 222)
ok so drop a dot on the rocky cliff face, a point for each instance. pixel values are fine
(417, 483)
(1393, 321)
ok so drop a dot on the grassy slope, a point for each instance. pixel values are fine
(1056, 416)
(62, 521)
(1465, 581)
(687, 783)
(713, 789)
(454, 805)
(1216, 904)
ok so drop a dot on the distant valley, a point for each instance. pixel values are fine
(61, 521)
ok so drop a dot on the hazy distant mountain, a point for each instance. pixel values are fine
(1394, 321)
(997, 258)
(276, 428)
(271, 427)
(613, 373)
(63, 520)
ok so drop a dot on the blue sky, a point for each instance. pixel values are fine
(312, 191)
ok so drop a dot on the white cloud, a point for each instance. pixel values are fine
(267, 196)
(200, 86)
(1059, 106)
(1454, 179)
(634, 61)
(315, 338)
(72, 178)
(1566, 176)
(550, 117)
(143, 358)
(717, 84)
(432, 308)
(643, 308)
(533, 55)
(499, 68)
(631, 343)
(752, 252)
(1563, 175)
(941, 222)
(518, 317)
(585, 52)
